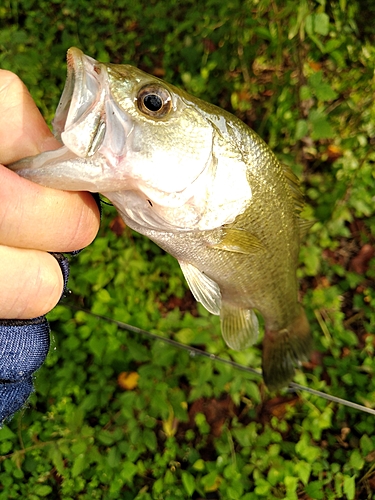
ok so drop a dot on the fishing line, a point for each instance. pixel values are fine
(193, 351)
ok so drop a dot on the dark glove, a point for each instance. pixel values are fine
(24, 346)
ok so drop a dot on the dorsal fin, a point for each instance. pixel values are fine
(294, 187)
(304, 227)
(298, 200)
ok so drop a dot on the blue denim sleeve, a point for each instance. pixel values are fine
(24, 346)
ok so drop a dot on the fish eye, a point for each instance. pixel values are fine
(154, 101)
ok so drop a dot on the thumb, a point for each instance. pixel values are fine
(23, 131)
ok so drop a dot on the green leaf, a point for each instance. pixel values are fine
(305, 92)
(349, 487)
(114, 457)
(303, 470)
(311, 257)
(366, 444)
(79, 464)
(149, 439)
(317, 24)
(185, 335)
(163, 354)
(321, 128)
(309, 24)
(138, 351)
(79, 447)
(199, 465)
(128, 471)
(291, 483)
(200, 420)
(263, 487)
(103, 296)
(315, 490)
(6, 433)
(158, 485)
(356, 460)
(308, 452)
(322, 90)
(302, 129)
(333, 44)
(97, 345)
(321, 23)
(188, 481)
(57, 459)
(295, 23)
(211, 481)
(42, 490)
(274, 476)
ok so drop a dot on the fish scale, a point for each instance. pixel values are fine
(199, 183)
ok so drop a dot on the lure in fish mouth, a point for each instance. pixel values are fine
(198, 182)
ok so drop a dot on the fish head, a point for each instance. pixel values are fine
(123, 130)
(143, 143)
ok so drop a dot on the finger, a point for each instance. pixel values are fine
(31, 283)
(32, 216)
(21, 123)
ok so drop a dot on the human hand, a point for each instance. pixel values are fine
(33, 220)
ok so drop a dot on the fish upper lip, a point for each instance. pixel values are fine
(80, 119)
(83, 83)
(74, 68)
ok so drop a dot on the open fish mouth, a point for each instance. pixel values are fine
(92, 128)
(80, 112)
(73, 92)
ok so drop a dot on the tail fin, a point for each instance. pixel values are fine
(283, 349)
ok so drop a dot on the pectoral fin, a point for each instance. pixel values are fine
(239, 326)
(204, 289)
(238, 241)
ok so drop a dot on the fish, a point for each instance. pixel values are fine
(198, 182)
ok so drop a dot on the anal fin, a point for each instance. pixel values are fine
(204, 289)
(239, 326)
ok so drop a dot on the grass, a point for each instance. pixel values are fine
(116, 415)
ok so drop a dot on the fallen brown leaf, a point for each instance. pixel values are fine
(128, 381)
(359, 263)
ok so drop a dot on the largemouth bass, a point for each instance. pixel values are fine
(199, 183)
